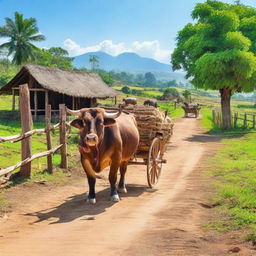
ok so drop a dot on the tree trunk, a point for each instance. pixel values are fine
(225, 108)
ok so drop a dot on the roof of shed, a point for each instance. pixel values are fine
(73, 83)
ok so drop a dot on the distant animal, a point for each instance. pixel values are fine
(106, 139)
(129, 100)
(151, 102)
(193, 108)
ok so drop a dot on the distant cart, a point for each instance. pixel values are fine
(155, 129)
(192, 108)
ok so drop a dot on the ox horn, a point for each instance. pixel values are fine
(113, 115)
(76, 112)
(73, 112)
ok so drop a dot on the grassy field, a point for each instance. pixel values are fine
(233, 171)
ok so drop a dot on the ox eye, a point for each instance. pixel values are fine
(99, 122)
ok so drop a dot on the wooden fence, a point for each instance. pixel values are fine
(26, 138)
(239, 119)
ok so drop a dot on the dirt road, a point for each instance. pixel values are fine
(163, 221)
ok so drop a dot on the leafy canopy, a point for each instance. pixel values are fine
(21, 33)
(218, 50)
(50, 59)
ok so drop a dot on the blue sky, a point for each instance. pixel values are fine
(148, 27)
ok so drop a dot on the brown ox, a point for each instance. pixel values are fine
(106, 139)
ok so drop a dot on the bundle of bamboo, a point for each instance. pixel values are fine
(151, 122)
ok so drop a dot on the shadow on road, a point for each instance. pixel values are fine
(76, 207)
(207, 137)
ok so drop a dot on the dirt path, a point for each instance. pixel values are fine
(164, 221)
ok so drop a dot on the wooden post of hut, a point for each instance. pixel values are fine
(48, 111)
(63, 137)
(13, 99)
(26, 125)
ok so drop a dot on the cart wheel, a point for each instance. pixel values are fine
(154, 165)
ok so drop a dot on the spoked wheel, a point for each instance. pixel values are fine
(154, 165)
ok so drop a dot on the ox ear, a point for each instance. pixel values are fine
(109, 122)
(77, 123)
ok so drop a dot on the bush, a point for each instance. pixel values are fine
(126, 90)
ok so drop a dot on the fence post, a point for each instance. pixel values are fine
(214, 117)
(26, 125)
(235, 120)
(48, 111)
(63, 138)
(245, 120)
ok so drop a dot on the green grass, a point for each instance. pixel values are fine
(173, 113)
(233, 169)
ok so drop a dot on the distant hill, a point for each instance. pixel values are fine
(129, 62)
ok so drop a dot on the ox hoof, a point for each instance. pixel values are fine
(122, 190)
(91, 200)
(114, 198)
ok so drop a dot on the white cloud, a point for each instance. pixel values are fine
(3, 40)
(150, 49)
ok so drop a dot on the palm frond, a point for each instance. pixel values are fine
(37, 38)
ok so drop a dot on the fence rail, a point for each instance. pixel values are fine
(28, 160)
(248, 119)
(26, 137)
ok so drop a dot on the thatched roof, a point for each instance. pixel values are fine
(72, 83)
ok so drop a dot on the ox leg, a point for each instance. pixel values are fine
(121, 185)
(112, 180)
(91, 198)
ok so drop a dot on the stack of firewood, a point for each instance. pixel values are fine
(151, 122)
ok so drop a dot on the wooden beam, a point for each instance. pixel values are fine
(48, 137)
(73, 102)
(32, 89)
(35, 104)
(26, 125)
(13, 100)
(46, 99)
(63, 137)
(28, 160)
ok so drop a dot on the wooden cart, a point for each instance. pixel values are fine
(155, 130)
(192, 108)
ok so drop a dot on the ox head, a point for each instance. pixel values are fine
(91, 123)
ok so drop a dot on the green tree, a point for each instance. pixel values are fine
(58, 51)
(107, 78)
(150, 79)
(186, 94)
(174, 92)
(21, 33)
(45, 58)
(94, 60)
(170, 94)
(218, 50)
(126, 89)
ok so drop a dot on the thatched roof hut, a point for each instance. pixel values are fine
(55, 86)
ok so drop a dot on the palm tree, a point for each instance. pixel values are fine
(94, 60)
(21, 33)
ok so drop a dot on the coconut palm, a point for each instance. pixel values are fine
(21, 32)
(94, 60)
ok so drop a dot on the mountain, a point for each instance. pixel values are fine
(128, 62)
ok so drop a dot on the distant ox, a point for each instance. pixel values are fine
(151, 102)
(132, 101)
(106, 139)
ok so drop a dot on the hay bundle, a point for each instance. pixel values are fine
(151, 122)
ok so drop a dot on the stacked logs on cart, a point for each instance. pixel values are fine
(151, 122)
